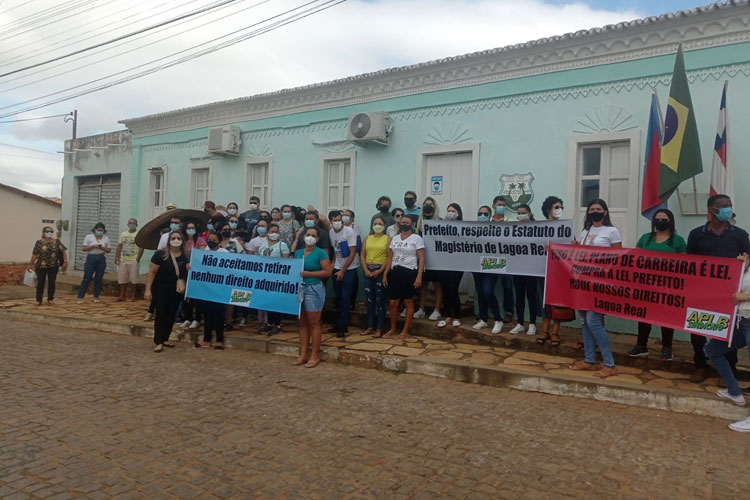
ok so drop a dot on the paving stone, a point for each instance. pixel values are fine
(513, 360)
(543, 358)
(628, 379)
(405, 351)
(473, 347)
(660, 382)
(484, 358)
(670, 375)
(687, 386)
(444, 354)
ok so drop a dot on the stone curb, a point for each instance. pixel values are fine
(666, 399)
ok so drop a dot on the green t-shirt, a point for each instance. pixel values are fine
(312, 262)
(678, 244)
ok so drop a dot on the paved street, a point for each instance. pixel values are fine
(95, 415)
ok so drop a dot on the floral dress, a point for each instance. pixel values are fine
(49, 254)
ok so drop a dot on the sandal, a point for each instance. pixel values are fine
(369, 331)
(578, 346)
(554, 340)
(378, 334)
(581, 365)
(298, 362)
(544, 338)
(605, 372)
(219, 347)
(166, 344)
(312, 363)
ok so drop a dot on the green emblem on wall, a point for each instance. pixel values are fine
(516, 188)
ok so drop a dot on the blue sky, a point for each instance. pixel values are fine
(646, 7)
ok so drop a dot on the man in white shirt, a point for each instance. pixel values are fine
(175, 224)
(344, 243)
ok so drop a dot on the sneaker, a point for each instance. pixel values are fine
(419, 313)
(96, 300)
(442, 324)
(531, 330)
(185, 324)
(194, 325)
(480, 324)
(80, 301)
(498, 327)
(274, 330)
(159, 348)
(666, 354)
(517, 329)
(741, 426)
(638, 351)
(243, 322)
(147, 317)
(435, 315)
(456, 323)
(403, 314)
(738, 400)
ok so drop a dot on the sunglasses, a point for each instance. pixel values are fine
(397, 216)
(483, 213)
(661, 220)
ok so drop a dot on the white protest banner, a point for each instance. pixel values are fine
(492, 247)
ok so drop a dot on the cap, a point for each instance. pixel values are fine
(171, 205)
(209, 204)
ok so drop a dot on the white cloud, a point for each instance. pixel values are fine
(352, 38)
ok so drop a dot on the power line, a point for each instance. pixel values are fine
(58, 160)
(169, 21)
(29, 149)
(37, 14)
(17, 6)
(69, 12)
(38, 118)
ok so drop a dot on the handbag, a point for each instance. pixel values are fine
(563, 314)
(181, 284)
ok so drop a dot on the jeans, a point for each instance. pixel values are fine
(507, 282)
(94, 266)
(526, 286)
(343, 290)
(484, 283)
(699, 355)
(594, 334)
(48, 273)
(375, 294)
(717, 351)
(449, 281)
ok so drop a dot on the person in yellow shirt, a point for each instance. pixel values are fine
(128, 258)
(373, 255)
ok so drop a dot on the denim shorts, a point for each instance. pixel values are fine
(313, 297)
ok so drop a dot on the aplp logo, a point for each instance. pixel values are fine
(495, 264)
(240, 297)
(708, 322)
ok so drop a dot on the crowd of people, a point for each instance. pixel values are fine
(389, 257)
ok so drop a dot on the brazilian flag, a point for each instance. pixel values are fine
(681, 151)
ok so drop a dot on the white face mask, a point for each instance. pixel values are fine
(232, 211)
(253, 206)
(378, 228)
(451, 216)
(175, 243)
(273, 236)
(523, 217)
(310, 241)
(557, 213)
(48, 235)
(337, 224)
(345, 219)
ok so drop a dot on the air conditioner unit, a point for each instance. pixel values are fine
(224, 140)
(369, 127)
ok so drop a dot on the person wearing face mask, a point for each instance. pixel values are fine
(213, 312)
(347, 217)
(175, 224)
(288, 226)
(484, 284)
(394, 227)
(430, 211)
(127, 259)
(47, 257)
(717, 238)
(410, 202)
(275, 215)
(597, 231)
(231, 245)
(373, 256)
(525, 287)
(552, 209)
(661, 238)
(500, 214)
(317, 266)
(97, 246)
(192, 308)
(251, 216)
(274, 247)
(403, 273)
(450, 280)
(346, 262)
(265, 216)
(253, 246)
(215, 217)
(312, 219)
(383, 206)
(168, 267)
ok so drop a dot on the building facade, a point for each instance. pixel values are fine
(34, 213)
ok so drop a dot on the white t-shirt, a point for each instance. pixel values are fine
(90, 240)
(346, 235)
(255, 244)
(604, 236)
(391, 231)
(405, 251)
(163, 241)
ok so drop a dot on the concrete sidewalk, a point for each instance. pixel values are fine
(507, 361)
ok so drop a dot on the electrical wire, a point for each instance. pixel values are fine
(30, 157)
(68, 13)
(17, 6)
(169, 21)
(38, 118)
(31, 17)
(28, 149)
(283, 22)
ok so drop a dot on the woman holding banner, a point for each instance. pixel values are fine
(449, 280)
(597, 231)
(213, 312)
(429, 211)
(484, 284)
(500, 214)
(317, 266)
(662, 238)
(525, 286)
(552, 209)
(274, 247)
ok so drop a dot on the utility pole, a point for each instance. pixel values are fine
(73, 116)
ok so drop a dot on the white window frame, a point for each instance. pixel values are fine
(265, 204)
(323, 178)
(465, 147)
(577, 142)
(193, 168)
(152, 209)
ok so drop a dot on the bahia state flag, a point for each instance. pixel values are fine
(681, 151)
(650, 201)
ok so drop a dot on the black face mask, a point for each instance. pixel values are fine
(409, 202)
(661, 225)
(428, 209)
(213, 245)
(384, 209)
(243, 236)
(596, 216)
(405, 227)
(226, 234)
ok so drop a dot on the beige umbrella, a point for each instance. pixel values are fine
(150, 234)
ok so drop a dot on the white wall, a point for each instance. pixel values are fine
(22, 223)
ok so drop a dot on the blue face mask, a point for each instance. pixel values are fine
(99, 233)
(210, 227)
(724, 214)
(483, 218)
(309, 223)
(190, 232)
(174, 227)
(286, 215)
(500, 209)
(233, 225)
(262, 231)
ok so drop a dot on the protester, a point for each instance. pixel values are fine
(213, 312)
(215, 217)
(484, 284)
(224, 229)
(500, 214)
(192, 309)
(317, 266)
(450, 280)
(383, 206)
(410, 202)
(128, 259)
(175, 224)
(233, 210)
(661, 238)
(251, 217)
(165, 285)
(373, 256)
(552, 209)
(393, 228)
(312, 219)
(234, 224)
(716, 238)
(96, 245)
(597, 231)
(274, 247)
(192, 238)
(525, 287)
(346, 262)
(275, 215)
(403, 273)
(288, 226)
(47, 258)
(347, 217)
(254, 245)
(430, 211)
